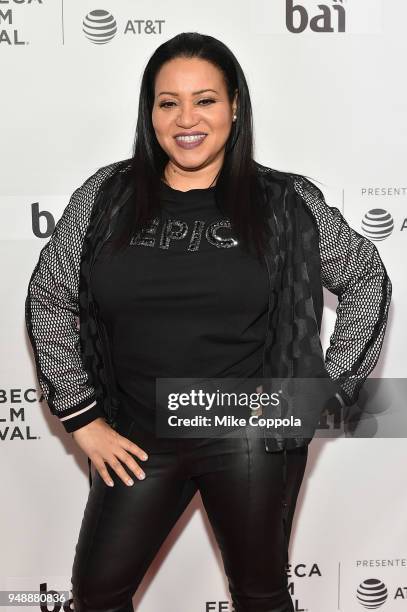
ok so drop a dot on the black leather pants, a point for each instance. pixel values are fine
(249, 496)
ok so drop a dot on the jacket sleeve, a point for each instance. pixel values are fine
(352, 269)
(52, 313)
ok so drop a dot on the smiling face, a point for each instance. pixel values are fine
(191, 97)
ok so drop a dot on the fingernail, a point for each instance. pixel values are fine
(110, 483)
(142, 475)
(144, 457)
(130, 482)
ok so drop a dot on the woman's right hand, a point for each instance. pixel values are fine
(102, 444)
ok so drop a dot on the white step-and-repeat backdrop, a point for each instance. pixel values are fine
(330, 101)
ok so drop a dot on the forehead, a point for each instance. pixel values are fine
(188, 75)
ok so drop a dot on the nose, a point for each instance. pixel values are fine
(187, 116)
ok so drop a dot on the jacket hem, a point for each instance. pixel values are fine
(81, 418)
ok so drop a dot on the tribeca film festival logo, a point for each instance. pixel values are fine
(13, 425)
(300, 571)
(9, 34)
(100, 27)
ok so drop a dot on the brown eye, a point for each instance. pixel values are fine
(207, 100)
(210, 100)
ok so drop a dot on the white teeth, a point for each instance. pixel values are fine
(191, 138)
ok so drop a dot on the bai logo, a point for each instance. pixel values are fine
(48, 221)
(55, 604)
(330, 18)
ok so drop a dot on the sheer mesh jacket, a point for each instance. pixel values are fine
(52, 311)
(351, 268)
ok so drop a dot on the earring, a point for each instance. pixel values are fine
(234, 117)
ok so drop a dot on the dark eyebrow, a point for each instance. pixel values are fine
(194, 93)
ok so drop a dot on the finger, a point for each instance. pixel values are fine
(134, 449)
(102, 470)
(121, 472)
(133, 466)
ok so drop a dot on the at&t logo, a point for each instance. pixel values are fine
(99, 27)
(377, 224)
(372, 593)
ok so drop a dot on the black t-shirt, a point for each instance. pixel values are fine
(183, 300)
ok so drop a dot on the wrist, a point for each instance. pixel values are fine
(82, 418)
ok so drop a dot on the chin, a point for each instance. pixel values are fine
(188, 160)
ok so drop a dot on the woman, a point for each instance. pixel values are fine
(192, 260)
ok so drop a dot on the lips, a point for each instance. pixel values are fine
(190, 138)
(190, 141)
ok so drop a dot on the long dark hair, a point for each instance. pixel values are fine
(237, 190)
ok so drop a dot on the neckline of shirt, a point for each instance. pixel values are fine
(169, 194)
